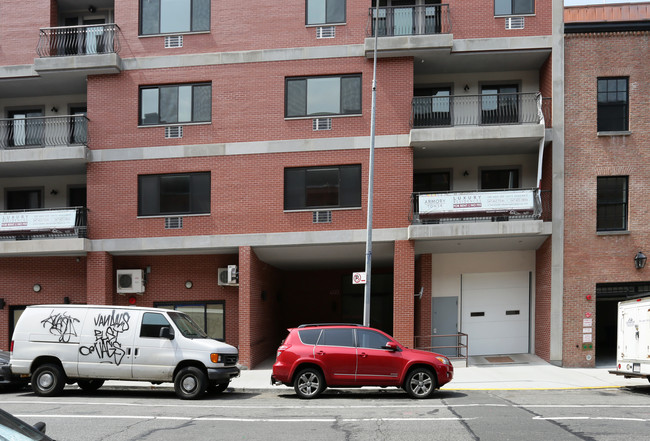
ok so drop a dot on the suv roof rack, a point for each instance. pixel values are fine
(312, 325)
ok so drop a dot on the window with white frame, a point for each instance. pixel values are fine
(175, 104)
(514, 7)
(319, 12)
(174, 16)
(323, 96)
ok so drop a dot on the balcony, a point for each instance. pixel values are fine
(478, 124)
(28, 232)
(38, 132)
(404, 30)
(480, 205)
(89, 48)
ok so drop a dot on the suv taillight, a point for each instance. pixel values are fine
(281, 349)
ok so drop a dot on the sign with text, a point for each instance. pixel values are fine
(359, 278)
(477, 202)
(38, 220)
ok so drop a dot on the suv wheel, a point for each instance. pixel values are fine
(190, 383)
(420, 383)
(309, 383)
(48, 380)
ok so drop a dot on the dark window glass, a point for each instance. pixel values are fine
(510, 7)
(371, 339)
(27, 128)
(322, 187)
(209, 316)
(174, 194)
(173, 16)
(431, 181)
(309, 336)
(24, 199)
(175, 104)
(499, 104)
(316, 96)
(499, 179)
(612, 104)
(337, 337)
(612, 203)
(325, 11)
(152, 323)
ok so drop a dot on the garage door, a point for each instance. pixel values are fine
(495, 312)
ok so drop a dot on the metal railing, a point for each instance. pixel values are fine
(541, 202)
(79, 230)
(453, 346)
(43, 131)
(486, 109)
(409, 20)
(78, 40)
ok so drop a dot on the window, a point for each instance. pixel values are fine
(512, 7)
(24, 199)
(174, 16)
(337, 337)
(432, 181)
(322, 187)
(611, 195)
(152, 324)
(499, 179)
(309, 336)
(612, 104)
(325, 11)
(371, 339)
(174, 104)
(171, 194)
(27, 128)
(317, 96)
(208, 315)
(499, 104)
(432, 106)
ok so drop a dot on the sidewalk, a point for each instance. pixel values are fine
(512, 372)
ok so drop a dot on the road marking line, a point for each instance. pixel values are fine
(591, 418)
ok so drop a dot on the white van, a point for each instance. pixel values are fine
(88, 344)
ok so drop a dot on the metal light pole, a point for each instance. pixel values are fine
(371, 175)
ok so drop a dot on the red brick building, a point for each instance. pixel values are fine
(607, 173)
(169, 141)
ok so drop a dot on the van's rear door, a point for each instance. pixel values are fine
(106, 347)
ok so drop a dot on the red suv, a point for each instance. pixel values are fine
(314, 357)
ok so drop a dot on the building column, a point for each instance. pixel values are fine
(99, 279)
(245, 306)
(423, 304)
(403, 292)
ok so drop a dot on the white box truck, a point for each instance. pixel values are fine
(88, 344)
(633, 339)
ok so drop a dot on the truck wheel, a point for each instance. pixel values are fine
(190, 383)
(217, 388)
(90, 385)
(420, 383)
(48, 380)
(309, 383)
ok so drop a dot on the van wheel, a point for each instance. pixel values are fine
(90, 385)
(48, 380)
(309, 383)
(217, 388)
(420, 383)
(190, 383)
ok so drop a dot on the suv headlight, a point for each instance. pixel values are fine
(443, 360)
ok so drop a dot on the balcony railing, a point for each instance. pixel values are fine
(409, 20)
(50, 223)
(494, 109)
(480, 205)
(78, 40)
(44, 131)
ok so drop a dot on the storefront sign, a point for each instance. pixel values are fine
(477, 202)
(38, 220)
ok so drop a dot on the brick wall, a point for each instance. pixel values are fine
(543, 300)
(592, 258)
(19, 29)
(403, 292)
(423, 274)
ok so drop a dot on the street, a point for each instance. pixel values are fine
(142, 414)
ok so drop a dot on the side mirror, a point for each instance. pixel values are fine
(166, 332)
(391, 346)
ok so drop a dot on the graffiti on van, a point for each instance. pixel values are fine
(61, 324)
(108, 328)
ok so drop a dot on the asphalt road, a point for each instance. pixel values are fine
(531, 415)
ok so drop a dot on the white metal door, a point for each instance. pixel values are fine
(495, 312)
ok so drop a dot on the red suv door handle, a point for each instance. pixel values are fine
(320, 353)
(363, 355)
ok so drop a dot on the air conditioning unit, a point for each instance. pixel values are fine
(228, 276)
(130, 281)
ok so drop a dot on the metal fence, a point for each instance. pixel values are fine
(455, 110)
(453, 346)
(44, 131)
(409, 20)
(78, 40)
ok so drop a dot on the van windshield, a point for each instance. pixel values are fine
(187, 327)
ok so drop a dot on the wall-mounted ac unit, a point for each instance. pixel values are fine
(130, 281)
(228, 276)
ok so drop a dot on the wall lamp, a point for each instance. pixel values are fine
(639, 260)
(466, 88)
(37, 287)
(189, 284)
(2, 303)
